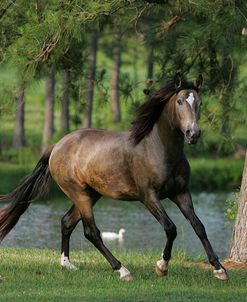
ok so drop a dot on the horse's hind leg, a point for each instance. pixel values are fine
(68, 223)
(84, 201)
(92, 233)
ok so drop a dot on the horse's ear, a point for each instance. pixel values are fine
(199, 82)
(178, 80)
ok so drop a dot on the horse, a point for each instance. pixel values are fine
(147, 163)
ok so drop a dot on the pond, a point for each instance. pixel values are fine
(39, 227)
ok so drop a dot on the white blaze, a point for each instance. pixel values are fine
(190, 99)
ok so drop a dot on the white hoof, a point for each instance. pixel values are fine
(161, 268)
(67, 264)
(221, 274)
(125, 274)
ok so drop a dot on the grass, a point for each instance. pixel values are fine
(222, 174)
(11, 174)
(35, 275)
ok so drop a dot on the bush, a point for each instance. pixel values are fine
(216, 175)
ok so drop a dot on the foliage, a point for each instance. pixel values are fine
(35, 275)
(190, 36)
(213, 175)
(232, 207)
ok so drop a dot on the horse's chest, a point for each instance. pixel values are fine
(175, 182)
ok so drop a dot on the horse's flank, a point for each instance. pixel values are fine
(96, 158)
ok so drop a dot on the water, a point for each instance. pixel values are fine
(39, 227)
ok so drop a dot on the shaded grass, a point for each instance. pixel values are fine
(216, 174)
(35, 275)
(11, 174)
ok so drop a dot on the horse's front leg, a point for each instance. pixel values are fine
(184, 202)
(153, 204)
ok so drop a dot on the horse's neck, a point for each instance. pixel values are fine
(171, 140)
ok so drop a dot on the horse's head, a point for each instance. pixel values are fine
(187, 109)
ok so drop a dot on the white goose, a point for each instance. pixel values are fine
(113, 235)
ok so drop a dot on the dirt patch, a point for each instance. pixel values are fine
(227, 263)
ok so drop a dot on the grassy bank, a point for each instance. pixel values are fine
(207, 175)
(216, 174)
(35, 275)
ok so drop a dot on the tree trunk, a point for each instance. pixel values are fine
(65, 103)
(115, 103)
(150, 64)
(19, 140)
(239, 235)
(225, 119)
(49, 109)
(87, 116)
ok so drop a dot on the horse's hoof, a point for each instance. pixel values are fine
(221, 274)
(127, 278)
(70, 267)
(161, 273)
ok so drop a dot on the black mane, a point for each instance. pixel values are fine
(149, 112)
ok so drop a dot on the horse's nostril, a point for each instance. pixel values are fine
(188, 132)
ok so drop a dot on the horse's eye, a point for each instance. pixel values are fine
(179, 101)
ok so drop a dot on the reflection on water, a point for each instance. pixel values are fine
(40, 226)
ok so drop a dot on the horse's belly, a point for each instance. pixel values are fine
(112, 184)
(117, 190)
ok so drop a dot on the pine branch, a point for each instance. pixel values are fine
(156, 1)
(168, 25)
(4, 10)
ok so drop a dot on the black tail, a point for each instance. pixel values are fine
(30, 187)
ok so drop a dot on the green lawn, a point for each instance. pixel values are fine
(35, 275)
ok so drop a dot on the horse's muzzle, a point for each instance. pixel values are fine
(192, 136)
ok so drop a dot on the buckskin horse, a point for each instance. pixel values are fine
(146, 163)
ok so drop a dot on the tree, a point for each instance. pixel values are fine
(239, 236)
(115, 102)
(19, 139)
(48, 130)
(150, 63)
(90, 79)
(64, 121)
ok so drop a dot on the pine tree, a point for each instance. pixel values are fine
(238, 251)
(65, 116)
(90, 79)
(49, 129)
(19, 139)
(239, 236)
(115, 78)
